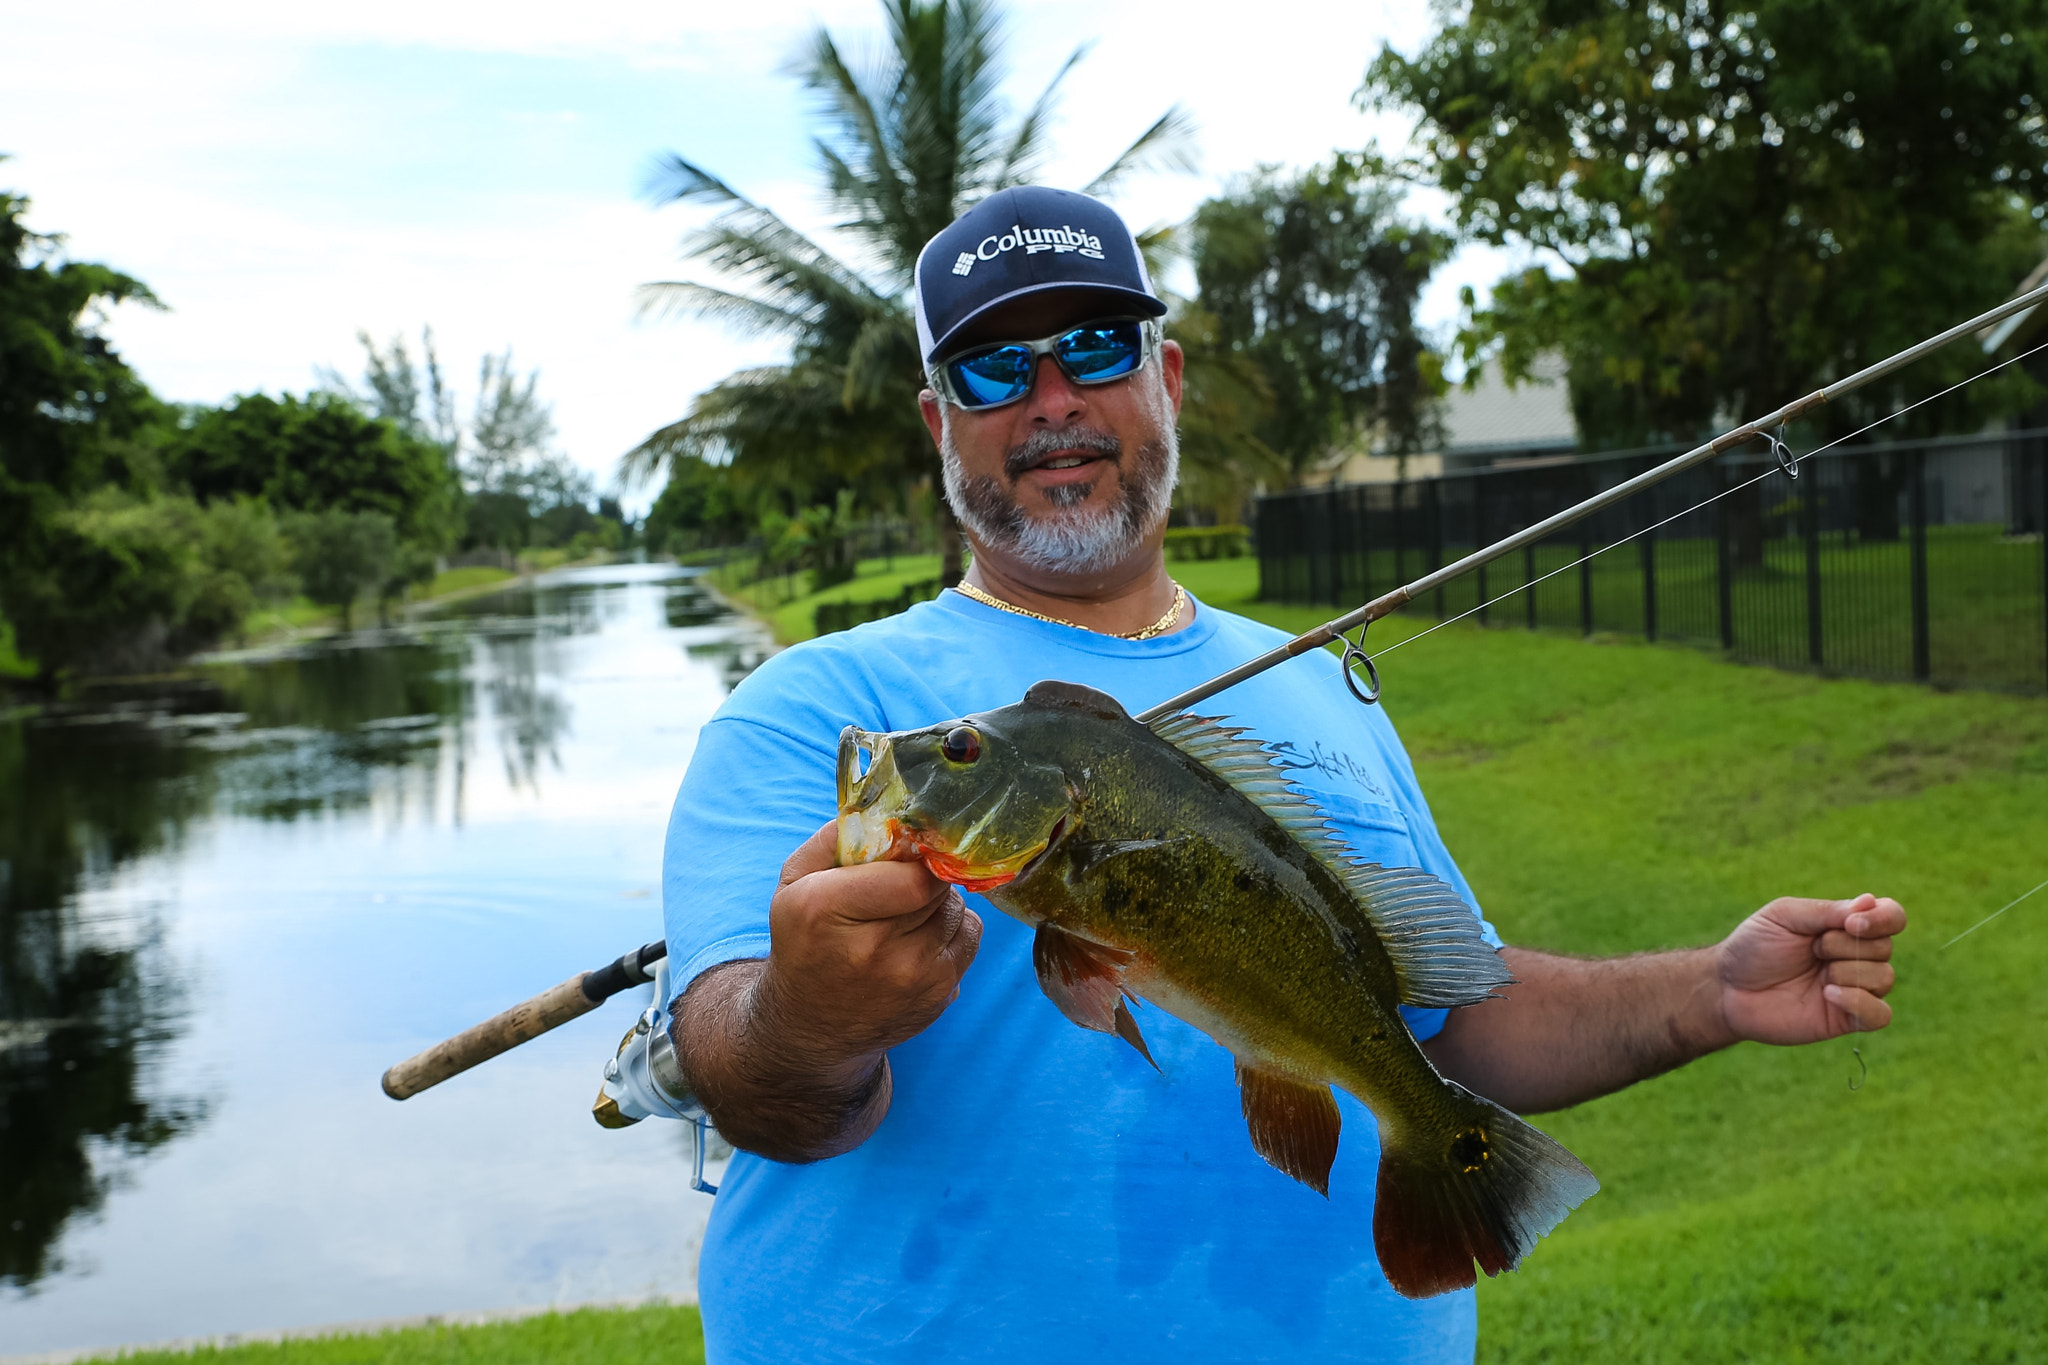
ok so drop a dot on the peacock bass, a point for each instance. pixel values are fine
(1175, 863)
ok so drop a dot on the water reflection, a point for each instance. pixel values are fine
(186, 866)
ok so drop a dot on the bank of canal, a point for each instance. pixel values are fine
(229, 901)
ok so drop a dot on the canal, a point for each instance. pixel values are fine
(229, 900)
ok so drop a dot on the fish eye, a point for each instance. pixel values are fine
(961, 745)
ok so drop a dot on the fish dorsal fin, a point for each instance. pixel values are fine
(1432, 936)
(1074, 697)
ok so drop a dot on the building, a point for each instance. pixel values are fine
(1491, 423)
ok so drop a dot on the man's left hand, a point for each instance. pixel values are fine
(1803, 971)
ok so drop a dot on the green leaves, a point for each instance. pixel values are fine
(1730, 205)
(908, 140)
(1312, 279)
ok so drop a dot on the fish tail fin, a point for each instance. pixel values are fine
(1482, 1187)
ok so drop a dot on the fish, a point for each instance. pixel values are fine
(1175, 864)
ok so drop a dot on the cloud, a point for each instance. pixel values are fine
(285, 175)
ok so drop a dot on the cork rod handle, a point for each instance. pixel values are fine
(577, 996)
(500, 1033)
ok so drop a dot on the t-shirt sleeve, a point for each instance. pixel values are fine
(752, 794)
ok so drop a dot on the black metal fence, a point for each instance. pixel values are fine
(1921, 560)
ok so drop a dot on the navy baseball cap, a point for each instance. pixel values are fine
(1023, 241)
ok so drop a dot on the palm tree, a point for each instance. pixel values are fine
(909, 144)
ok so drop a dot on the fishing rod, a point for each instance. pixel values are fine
(524, 1022)
(1762, 428)
(645, 1079)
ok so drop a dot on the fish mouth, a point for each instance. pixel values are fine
(871, 800)
(872, 803)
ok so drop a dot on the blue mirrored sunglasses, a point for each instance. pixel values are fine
(1093, 353)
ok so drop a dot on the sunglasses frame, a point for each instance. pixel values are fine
(941, 377)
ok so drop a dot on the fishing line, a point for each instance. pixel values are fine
(1790, 470)
(1990, 917)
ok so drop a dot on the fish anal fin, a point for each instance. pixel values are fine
(1293, 1124)
(1086, 981)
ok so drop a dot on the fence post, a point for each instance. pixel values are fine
(1649, 544)
(1479, 536)
(1809, 517)
(1436, 537)
(2041, 487)
(1529, 583)
(1397, 531)
(1916, 501)
(1724, 565)
(1586, 567)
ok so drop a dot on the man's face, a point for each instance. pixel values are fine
(1073, 478)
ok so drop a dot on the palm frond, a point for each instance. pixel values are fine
(1168, 145)
(1027, 141)
(759, 317)
(869, 186)
(674, 180)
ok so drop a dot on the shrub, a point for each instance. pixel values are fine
(341, 555)
(121, 583)
(1207, 542)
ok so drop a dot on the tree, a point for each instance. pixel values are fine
(72, 414)
(512, 428)
(908, 145)
(315, 454)
(1312, 277)
(1734, 204)
(341, 555)
(412, 397)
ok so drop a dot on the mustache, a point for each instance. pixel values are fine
(1042, 445)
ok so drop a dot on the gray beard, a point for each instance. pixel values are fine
(1071, 538)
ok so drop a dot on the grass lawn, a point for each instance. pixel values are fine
(464, 580)
(661, 1335)
(789, 608)
(1609, 796)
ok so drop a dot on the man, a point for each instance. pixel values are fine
(935, 1164)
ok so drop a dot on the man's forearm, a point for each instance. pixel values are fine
(767, 1088)
(1570, 1029)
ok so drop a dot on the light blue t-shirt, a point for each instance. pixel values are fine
(1037, 1192)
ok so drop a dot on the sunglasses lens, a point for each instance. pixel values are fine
(992, 377)
(1104, 351)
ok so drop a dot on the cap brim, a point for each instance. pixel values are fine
(1116, 298)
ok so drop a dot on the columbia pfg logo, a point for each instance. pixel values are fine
(1033, 240)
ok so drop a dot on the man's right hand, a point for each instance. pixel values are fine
(789, 1054)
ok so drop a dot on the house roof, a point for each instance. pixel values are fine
(1492, 416)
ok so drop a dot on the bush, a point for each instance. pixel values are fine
(1207, 542)
(837, 616)
(121, 583)
(341, 555)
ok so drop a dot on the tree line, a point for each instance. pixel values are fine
(1719, 206)
(135, 530)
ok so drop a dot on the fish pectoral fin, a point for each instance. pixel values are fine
(1293, 1124)
(1085, 856)
(1086, 981)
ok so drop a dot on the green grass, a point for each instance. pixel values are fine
(789, 608)
(1610, 796)
(1983, 599)
(464, 580)
(658, 1335)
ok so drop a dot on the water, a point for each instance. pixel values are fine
(228, 903)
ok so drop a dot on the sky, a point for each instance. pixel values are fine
(285, 176)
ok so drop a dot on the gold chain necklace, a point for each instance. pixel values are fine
(1163, 624)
